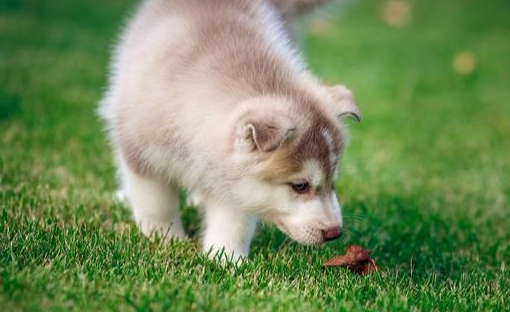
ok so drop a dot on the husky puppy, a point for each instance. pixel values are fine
(213, 97)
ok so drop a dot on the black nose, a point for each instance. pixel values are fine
(332, 233)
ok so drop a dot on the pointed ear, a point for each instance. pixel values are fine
(343, 103)
(264, 133)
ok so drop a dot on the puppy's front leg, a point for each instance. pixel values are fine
(228, 231)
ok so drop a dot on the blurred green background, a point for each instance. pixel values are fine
(425, 180)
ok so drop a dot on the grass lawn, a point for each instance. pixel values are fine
(425, 181)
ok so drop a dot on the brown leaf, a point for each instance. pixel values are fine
(356, 259)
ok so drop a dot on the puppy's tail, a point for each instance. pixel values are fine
(296, 7)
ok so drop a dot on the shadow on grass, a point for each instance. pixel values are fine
(404, 234)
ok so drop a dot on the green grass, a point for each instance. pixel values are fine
(425, 181)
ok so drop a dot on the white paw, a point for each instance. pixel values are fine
(224, 256)
(163, 230)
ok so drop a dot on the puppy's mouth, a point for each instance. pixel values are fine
(310, 242)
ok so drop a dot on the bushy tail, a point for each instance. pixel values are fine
(296, 7)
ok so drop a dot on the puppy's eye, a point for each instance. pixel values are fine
(300, 187)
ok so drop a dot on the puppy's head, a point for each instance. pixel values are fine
(288, 153)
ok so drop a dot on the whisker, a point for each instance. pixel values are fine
(354, 216)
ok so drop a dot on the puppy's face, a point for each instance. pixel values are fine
(303, 203)
(290, 179)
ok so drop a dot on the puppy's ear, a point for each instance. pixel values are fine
(265, 133)
(343, 103)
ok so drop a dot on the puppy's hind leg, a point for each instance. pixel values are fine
(155, 204)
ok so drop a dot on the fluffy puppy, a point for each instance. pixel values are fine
(213, 97)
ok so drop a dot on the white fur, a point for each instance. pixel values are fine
(177, 123)
(303, 220)
(228, 230)
(155, 205)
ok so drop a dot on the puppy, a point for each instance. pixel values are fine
(213, 97)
